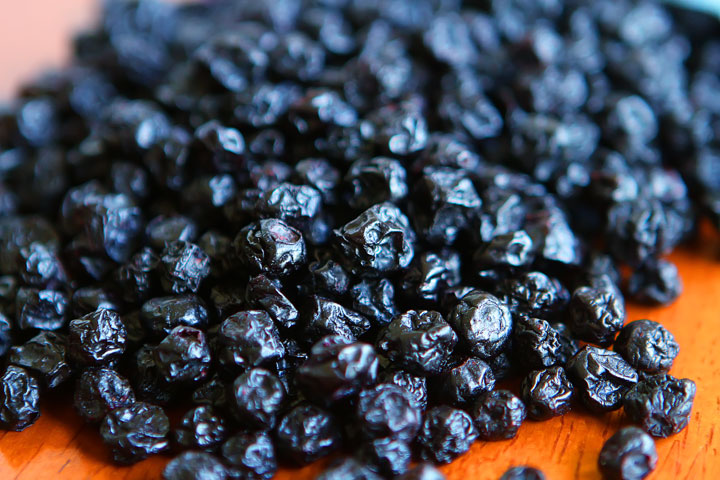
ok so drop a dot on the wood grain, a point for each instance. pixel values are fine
(59, 446)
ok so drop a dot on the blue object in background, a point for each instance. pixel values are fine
(708, 6)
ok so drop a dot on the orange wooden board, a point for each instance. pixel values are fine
(34, 33)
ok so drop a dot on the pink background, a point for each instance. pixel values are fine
(35, 35)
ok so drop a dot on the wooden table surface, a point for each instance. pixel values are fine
(34, 33)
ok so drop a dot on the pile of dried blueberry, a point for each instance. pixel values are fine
(327, 226)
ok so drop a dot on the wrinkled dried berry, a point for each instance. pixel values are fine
(378, 241)
(601, 377)
(248, 339)
(195, 465)
(446, 433)
(498, 415)
(45, 355)
(42, 309)
(336, 369)
(419, 341)
(447, 202)
(135, 432)
(307, 433)
(547, 393)
(256, 398)
(19, 398)
(628, 455)
(325, 317)
(415, 386)
(647, 346)
(376, 180)
(431, 274)
(661, 404)
(483, 323)
(250, 456)
(374, 299)
(387, 456)
(536, 344)
(655, 283)
(97, 338)
(387, 411)
(183, 356)
(465, 382)
(99, 391)
(271, 246)
(200, 428)
(265, 293)
(184, 266)
(597, 313)
(523, 473)
(160, 315)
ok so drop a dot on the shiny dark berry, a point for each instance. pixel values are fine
(375, 299)
(19, 399)
(160, 315)
(266, 294)
(376, 180)
(307, 433)
(337, 369)
(45, 356)
(431, 274)
(138, 277)
(628, 455)
(655, 283)
(163, 230)
(184, 267)
(536, 344)
(536, 294)
(270, 246)
(597, 313)
(295, 204)
(325, 317)
(135, 432)
(194, 466)
(647, 346)
(99, 391)
(446, 201)
(483, 323)
(446, 433)
(387, 456)
(601, 377)
(660, 404)
(250, 456)
(200, 428)
(256, 398)
(498, 415)
(183, 356)
(378, 241)
(523, 473)
(41, 309)
(506, 251)
(414, 385)
(464, 383)
(350, 469)
(387, 410)
(248, 339)
(97, 338)
(547, 393)
(419, 341)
